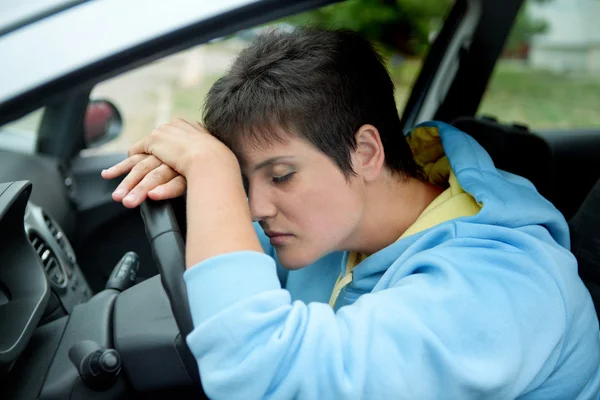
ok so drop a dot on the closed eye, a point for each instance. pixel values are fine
(281, 179)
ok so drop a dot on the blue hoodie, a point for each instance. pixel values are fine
(488, 306)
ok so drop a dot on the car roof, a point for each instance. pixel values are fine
(16, 14)
(48, 45)
(54, 54)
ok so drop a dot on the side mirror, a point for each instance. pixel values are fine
(102, 123)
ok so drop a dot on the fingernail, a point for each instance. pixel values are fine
(119, 192)
(157, 190)
(131, 197)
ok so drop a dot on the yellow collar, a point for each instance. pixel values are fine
(453, 203)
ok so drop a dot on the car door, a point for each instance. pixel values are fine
(67, 166)
(102, 230)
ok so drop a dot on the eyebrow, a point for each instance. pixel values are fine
(270, 161)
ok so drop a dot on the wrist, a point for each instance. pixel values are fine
(218, 217)
(221, 165)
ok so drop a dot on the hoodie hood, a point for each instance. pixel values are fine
(508, 200)
(505, 200)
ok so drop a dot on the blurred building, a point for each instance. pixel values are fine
(572, 41)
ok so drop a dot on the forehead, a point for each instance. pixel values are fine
(253, 154)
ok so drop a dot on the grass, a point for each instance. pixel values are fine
(516, 93)
(542, 99)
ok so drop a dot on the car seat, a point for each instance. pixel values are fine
(515, 149)
(585, 243)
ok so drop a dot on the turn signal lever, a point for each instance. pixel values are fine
(99, 367)
(123, 275)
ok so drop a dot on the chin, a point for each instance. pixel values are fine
(293, 260)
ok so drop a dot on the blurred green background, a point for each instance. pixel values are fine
(542, 87)
(403, 30)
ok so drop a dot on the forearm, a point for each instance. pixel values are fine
(218, 217)
(418, 338)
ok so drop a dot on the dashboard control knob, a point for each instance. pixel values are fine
(99, 367)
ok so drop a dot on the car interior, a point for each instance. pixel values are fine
(92, 300)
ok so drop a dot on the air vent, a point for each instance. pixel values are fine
(48, 258)
(59, 236)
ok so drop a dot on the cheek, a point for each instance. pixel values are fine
(321, 221)
(324, 215)
(331, 216)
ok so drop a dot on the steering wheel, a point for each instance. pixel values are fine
(168, 249)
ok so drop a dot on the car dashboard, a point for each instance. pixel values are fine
(40, 280)
(24, 288)
(68, 285)
(52, 325)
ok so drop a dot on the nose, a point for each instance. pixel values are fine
(261, 205)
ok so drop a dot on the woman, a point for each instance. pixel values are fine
(378, 266)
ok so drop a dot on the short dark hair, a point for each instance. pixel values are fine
(321, 85)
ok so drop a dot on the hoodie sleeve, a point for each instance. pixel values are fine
(282, 273)
(456, 324)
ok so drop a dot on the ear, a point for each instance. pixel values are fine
(369, 156)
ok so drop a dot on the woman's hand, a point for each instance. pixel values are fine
(157, 165)
(147, 177)
(182, 155)
(181, 144)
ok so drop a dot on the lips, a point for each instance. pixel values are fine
(278, 238)
(274, 233)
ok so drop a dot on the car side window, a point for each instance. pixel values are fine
(549, 73)
(21, 135)
(176, 86)
(154, 94)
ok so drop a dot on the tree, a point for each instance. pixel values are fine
(364, 16)
(403, 26)
(525, 26)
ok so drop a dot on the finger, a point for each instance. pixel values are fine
(146, 144)
(137, 173)
(139, 147)
(123, 167)
(174, 188)
(157, 177)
